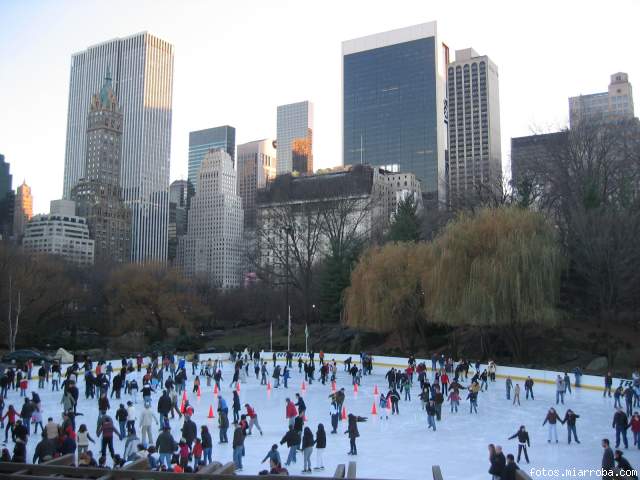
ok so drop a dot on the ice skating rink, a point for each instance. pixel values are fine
(398, 448)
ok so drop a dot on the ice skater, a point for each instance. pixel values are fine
(523, 442)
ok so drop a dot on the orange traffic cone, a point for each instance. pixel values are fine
(388, 404)
(182, 407)
(238, 387)
(211, 411)
(268, 386)
(304, 386)
(374, 410)
(375, 390)
(344, 413)
(215, 389)
(198, 392)
(333, 387)
(355, 388)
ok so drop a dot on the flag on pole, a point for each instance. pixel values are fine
(306, 337)
(289, 329)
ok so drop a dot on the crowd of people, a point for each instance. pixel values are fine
(138, 399)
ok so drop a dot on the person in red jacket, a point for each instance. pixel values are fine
(197, 453)
(253, 418)
(291, 412)
(635, 428)
(444, 380)
(11, 422)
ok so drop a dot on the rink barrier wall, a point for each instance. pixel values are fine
(588, 382)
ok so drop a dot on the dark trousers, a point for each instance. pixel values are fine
(621, 432)
(352, 444)
(107, 443)
(522, 448)
(334, 422)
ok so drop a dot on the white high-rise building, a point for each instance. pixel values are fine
(474, 123)
(295, 138)
(616, 104)
(213, 248)
(142, 72)
(61, 233)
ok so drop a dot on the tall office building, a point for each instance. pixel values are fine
(142, 68)
(179, 198)
(201, 141)
(616, 104)
(62, 233)
(98, 195)
(295, 138)
(529, 154)
(474, 123)
(7, 198)
(394, 104)
(23, 210)
(212, 248)
(256, 166)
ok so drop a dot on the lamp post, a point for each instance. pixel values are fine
(287, 232)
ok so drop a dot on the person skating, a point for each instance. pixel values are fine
(165, 445)
(523, 442)
(146, 420)
(431, 414)
(528, 388)
(552, 419)
(509, 472)
(635, 428)
(291, 412)
(106, 429)
(334, 412)
(508, 386)
(608, 382)
(307, 449)
(352, 431)
(607, 457)
(253, 418)
(621, 424)
(497, 462)
(454, 400)
(560, 389)
(272, 455)
(83, 439)
(321, 444)
(394, 397)
(570, 419)
(472, 396)
(292, 440)
(235, 406)
(238, 447)
(623, 467)
(516, 394)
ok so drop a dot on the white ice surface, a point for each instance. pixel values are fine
(398, 448)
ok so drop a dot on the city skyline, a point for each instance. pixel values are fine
(535, 77)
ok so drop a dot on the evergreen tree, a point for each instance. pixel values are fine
(405, 226)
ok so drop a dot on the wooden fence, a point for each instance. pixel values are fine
(63, 467)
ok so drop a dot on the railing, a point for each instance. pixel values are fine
(63, 467)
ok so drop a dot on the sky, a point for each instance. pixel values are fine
(235, 61)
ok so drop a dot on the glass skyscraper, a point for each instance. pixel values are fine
(295, 138)
(201, 141)
(394, 104)
(142, 72)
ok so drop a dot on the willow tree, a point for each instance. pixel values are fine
(498, 269)
(385, 294)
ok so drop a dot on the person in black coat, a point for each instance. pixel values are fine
(523, 442)
(352, 430)
(509, 472)
(321, 444)
(621, 424)
(624, 466)
(164, 406)
(19, 451)
(497, 460)
(189, 430)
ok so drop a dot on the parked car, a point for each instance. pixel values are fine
(21, 356)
